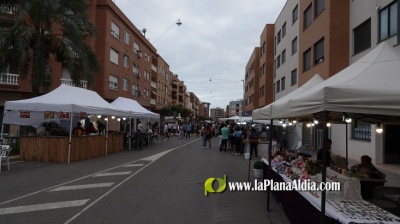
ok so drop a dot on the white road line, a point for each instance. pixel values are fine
(133, 165)
(112, 174)
(122, 182)
(41, 207)
(84, 186)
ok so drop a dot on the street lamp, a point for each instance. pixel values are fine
(179, 23)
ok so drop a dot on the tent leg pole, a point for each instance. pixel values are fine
(347, 147)
(70, 137)
(1, 134)
(107, 135)
(130, 133)
(324, 157)
(269, 163)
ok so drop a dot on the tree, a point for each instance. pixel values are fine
(39, 29)
(178, 109)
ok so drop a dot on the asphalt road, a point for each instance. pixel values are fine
(162, 183)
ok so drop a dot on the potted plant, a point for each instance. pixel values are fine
(258, 169)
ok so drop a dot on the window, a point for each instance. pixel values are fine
(278, 61)
(295, 14)
(388, 21)
(319, 7)
(362, 37)
(307, 60)
(126, 61)
(278, 86)
(319, 51)
(294, 77)
(283, 81)
(279, 36)
(134, 90)
(135, 47)
(283, 56)
(115, 30)
(263, 69)
(112, 82)
(361, 132)
(135, 70)
(125, 85)
(307, 17)
(114, 56)
(126, 39)
(294, 45)
(283, 30)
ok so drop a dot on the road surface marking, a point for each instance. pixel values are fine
(156, 156)
(132, 165)
(122, 182)
(112, 174)
(41, 207)
(85, 186)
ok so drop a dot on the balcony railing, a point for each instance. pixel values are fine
(9, 79)
(154, 68)
(70, 82)
(153, 101)
(154, 85)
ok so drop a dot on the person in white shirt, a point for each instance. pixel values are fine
(140, 126)
(166, 132)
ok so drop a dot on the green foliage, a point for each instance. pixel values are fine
(169, 111)
(32, 35)
(258, 165)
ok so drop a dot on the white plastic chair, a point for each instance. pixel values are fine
(4, 152)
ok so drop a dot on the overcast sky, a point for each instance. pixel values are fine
(215, 40)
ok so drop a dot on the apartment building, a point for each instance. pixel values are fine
(371, 23)
(286, 56)
(235, 107)
(128, 59)
(251, 81)
(266, 71)
(164, 87)
(178, 91)
(323, 38)
(195, 104)
(216, 113)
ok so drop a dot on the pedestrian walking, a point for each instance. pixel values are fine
(224, 138)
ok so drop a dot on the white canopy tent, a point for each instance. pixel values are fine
(265, 113)
(135, 109)
(237, 118)
(368, 86)
(63, 99)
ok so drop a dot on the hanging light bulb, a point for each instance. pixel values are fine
(313, 124)
(124, 118)
(328, 124)
(290, 123)
(308, 125)
(280, 121)
(118, 119)
(106, 119)
(379, 129)
(98, 116)
(284, 125)
(348, 120)
(112, 117)
(294, 121)
(316, 121)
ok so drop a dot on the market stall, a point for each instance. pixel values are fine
(136, 111)
(367, 90)
(62, 108)
(344, 206)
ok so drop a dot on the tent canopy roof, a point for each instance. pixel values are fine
(66, 98)
(135, 109)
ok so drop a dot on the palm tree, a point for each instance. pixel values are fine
(38, 29)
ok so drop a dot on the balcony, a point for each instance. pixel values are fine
(154, 68)
(153, 101)
(153, 85)
(70, 82)
(9, 79)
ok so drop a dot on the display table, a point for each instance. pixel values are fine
(304, 206)
(55, 148)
